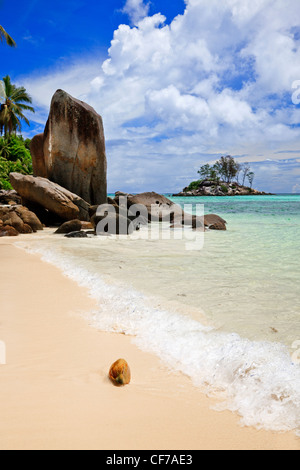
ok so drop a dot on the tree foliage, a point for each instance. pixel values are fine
(226, 169)
(14, 157)
(14, 101)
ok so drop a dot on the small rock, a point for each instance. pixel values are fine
(69, 227)
(8, 231)
(119, 373)
(79, 234)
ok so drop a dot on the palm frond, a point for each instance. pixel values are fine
(14, 102)
(5, 36)
(2, 91)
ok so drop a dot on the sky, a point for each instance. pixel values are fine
(178, 83)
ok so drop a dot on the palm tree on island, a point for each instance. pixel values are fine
(14, 101)
(4, 36)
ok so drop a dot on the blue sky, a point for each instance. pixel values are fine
(178, 84)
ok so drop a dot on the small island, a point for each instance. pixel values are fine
(222, 179)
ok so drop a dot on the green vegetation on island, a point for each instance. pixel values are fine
(226, 177)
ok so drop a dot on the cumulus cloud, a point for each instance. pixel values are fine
(217, 79)
(136, 10)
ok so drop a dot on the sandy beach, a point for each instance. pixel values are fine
(55, 393)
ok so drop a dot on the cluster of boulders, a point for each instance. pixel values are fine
(144, 208)
(121, 215)
(15, 219)
(219, 188)
(69, 189)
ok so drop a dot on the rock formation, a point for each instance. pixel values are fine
(20, 219)
(155, 206)
(112, 223)
(9, 197)
(51, 196)
(71, 151)
(219, 188)
(78, 234)
(70, 226)
(8, 231)
(37, 154)
(214, 222)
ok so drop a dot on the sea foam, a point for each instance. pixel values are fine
(257, 380)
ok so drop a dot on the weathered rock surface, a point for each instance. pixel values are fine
(219, 188)
(158, 207)
(51, 196)
(70, 226)
(214, 222)
(29, 218)
(12, 219)
(210, 221)
(8, 231)
(119, 373)
(38, 158)
(112, 223)
(71, 152)
(20, 218)
(9, 197)
(77, 234)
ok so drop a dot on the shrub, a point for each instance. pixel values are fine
(194, 185)
(224, 188)
(14, 157)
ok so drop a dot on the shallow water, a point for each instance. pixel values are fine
(227, 315)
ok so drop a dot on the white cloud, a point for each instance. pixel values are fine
(217, 79)
(296, 189)
(136, 10)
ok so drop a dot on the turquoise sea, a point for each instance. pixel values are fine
(226, 315)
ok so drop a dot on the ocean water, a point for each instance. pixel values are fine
(227, 315)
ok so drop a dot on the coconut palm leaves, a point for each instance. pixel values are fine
(4, 36)
(14, 101)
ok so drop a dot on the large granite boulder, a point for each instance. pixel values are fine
(208, 221)
(157, 207)
(214, 222)
(71, 152)
(51, 196)
(38, 158)
(112, 223)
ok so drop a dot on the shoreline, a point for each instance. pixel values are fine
(55, 390)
